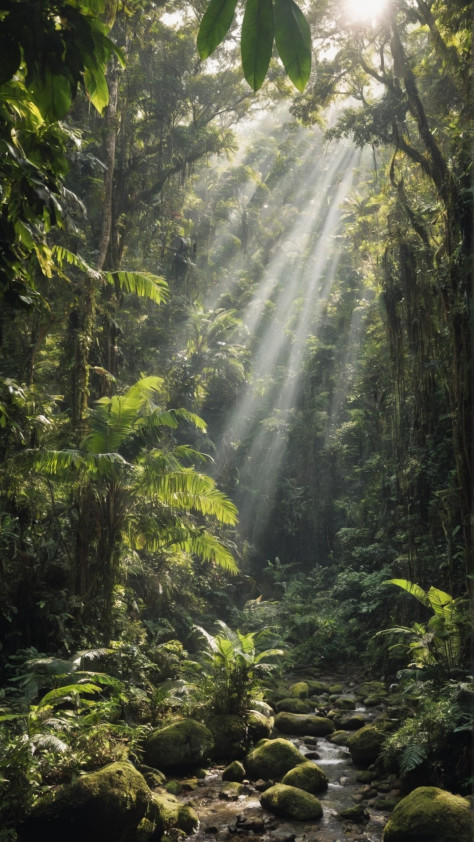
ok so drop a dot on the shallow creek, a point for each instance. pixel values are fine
(226, 816)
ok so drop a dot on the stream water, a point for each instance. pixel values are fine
(231, 811)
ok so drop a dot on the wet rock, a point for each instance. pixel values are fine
(430, 814)
(259, 726)
(365, 744)
(167, 812)
(313, 755)
(229, 732)
(282, 834)
(261, 707)
(385, 804)
(253, 824)
(316, 687)
(230, 791)
(294, 705)
(291, 803)
(300, 690)
(307, 776)
(353, 722)
(346, 702)
(365, 776)
(271, 759)
(261, 785)
(106, 804)
(183, 743)
(339, 738)
(234, 772)
(357, 814)
(153, 777)
(300, 723)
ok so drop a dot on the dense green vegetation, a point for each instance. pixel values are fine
(231, 423)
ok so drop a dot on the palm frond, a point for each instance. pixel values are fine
(209, 548)
(189, 490)
(143, 284)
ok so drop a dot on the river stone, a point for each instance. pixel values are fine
(307, 776)
(345, 702)
(183, 743)
(259, 726)
(271, 759)
(430, 814)
(317, 687)
(365, 745)
(353, 722)
(230, 736)
(234, 772)
(300, 690)
(339, 738)
(261, 707)
(300, 723)
(291, 803)
(357, 814)
(294, 705)
(367, 688)
(166, 811)
(107, 804)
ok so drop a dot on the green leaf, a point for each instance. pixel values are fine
(52, 93)
(411, 588)
(257, 41)
(215, 25)
(438, 601)
(293, 41)
(143, 284)
(96, 86)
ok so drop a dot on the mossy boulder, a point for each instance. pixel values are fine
(296, 723)
(259, 726)
(166, 811)
(234, 772)
(430, 814)
(294, 705)
(229, 732)
(345, 702)
(353, 722)
(367, 688)
(108, 804)
(317, 687)
(183, 743)
(335, 689)
(307, 776)
(339, 738)
(262, 707)
(365, 745)
(291, 803)
(357, 814)
(300, 690)
(271, 759)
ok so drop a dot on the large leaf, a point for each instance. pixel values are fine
(96, 86)
(143, 284)
(293, 41)
(257, 41)
(438, 601)
(215, 25)
(411, 588)
(52, 93)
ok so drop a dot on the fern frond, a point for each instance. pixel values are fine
(412, 756)
(143, 284)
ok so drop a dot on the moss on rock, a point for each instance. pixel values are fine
(107, 804)
(229, 732)
(183, 743)
(271, 759)
(339, 738)
(165, 812)
(430, 814)
(365, 745)
(294, 705)
(307, 776)
(299, 690)
(296, 723)
(259, 725)
(234, 772)
(291, 803)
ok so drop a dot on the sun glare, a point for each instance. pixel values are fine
(365, 11)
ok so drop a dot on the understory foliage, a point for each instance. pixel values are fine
(187, 331)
